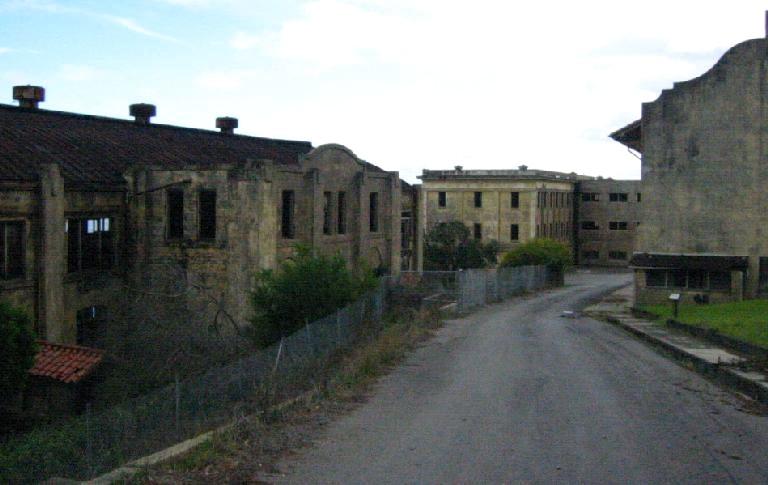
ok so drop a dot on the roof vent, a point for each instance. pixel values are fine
(143, 112)
(226, 124)
(523, 167)
(458, 168)
(29, 96)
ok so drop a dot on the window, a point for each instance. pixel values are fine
(589, 226)
(90, 323)
(720, 280)
(478, 199)
(617, 255)
(90, 244)
(655, 278)
(11, 250)
(693, 279)
(617, 225)
(514, 200)
(175, 199)
(327, 202)
(638, 196)
(514, 232)
(478, 230)
(373, 213)
(590, 254)
(441, 199)
(341, 218)
(287, 213)
(697, 279)
(590, 197)
(618, 197)
(207, 214)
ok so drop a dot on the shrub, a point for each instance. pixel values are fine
(548, 252)
(17, 351)
(448, 247)
(302, 290)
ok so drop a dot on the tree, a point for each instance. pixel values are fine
(448, 247)
(555, 255)
(302, 290)
(17, 352)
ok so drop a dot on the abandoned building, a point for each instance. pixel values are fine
(90, 206)
(595, 217)
(704, 167)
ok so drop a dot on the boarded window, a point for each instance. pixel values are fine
(90, 244)
(208, 214)
(478, 199)
(11, 250)
(514, 232)
(478, 230)
(373, 212)
(287, 215)
(514, 200)
(341, 221)
(327, 208)
(441, 199)
(175, 200)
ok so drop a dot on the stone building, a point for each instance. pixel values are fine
(90, 206)
(596, 217)
(607, 220)
(704, 167)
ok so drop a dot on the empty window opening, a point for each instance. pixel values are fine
(638, 196)
(327, 208)
(589, 226)
(618, 197)
(478, 199)
(207, 214)
(441, 199)
(175, 200)
(90, 244)
(373, 213)
(287, 215)
(341, 217)
(11, 250)
(90, 325)
(514, 200)
(478, 230)
(590, 197)
(514, 232)
(617, 225)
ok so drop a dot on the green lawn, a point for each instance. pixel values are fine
(744, 320)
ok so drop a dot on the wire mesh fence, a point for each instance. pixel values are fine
(94, 443)
(480, 286)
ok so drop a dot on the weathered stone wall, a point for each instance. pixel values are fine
(602, 212)
(704, 165)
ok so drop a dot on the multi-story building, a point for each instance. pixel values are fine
(90, 207)
(704, 167)
(607, 219)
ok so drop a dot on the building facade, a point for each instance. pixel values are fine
(607, 220)
(703, 171)
(93, 207)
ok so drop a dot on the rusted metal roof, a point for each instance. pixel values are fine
(711, 262)
(630, 136)
(65, 363)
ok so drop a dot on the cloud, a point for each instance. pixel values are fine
(5, 50)
(133, 26)
(243, 40)
(80, 72)
(231, 79)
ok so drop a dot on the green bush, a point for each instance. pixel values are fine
(553, 254)
(17, 351)
(304, 289)
(448, 247)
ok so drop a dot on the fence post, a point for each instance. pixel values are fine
(88, 439)
(177, 416)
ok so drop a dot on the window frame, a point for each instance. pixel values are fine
(7, 272)
(209, 228)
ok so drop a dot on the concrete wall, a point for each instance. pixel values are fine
(602, 212)
(704, 164)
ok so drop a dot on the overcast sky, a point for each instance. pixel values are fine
(406, 84)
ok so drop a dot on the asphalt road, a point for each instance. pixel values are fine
(515, 393)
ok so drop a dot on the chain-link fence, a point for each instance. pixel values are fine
(480, 286)
(94, 443)
(430, 288)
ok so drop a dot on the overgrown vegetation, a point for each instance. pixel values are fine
(302, 290)
(553, 254)
(17, 351)
(448, 247)
(743, 320)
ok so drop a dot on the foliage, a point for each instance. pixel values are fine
(304, 289)
(553, 254)
(17, 350)
(448, 247)
(742, 320)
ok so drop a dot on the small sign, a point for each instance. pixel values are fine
(674, 296)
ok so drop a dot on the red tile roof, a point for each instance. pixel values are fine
(65, 363)
(98, 150)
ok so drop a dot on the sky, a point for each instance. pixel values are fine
(406, 84)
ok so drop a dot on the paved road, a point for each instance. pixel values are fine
(514, 393)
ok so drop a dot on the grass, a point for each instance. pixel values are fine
(743, 320)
